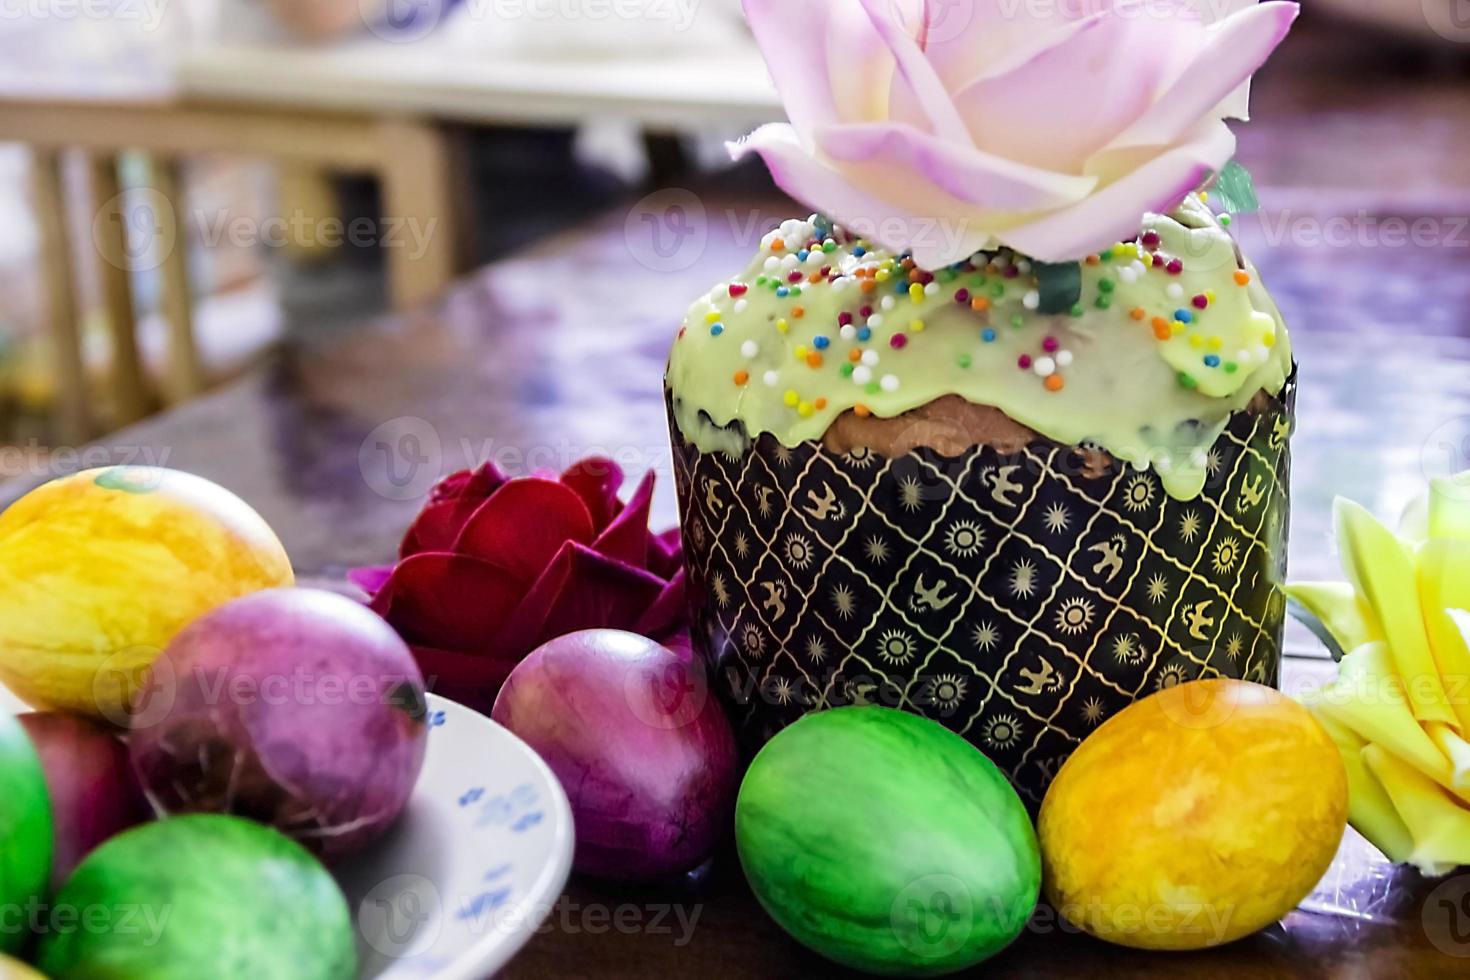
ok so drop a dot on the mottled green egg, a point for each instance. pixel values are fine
(887, 843)
(200, 896)
(25, 832)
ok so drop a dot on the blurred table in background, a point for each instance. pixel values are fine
(1360, 148)
(375, 105)
(43, 63)
(699, 89)
(559, 351)
(150, 232)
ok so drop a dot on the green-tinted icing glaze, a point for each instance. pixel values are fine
(773, 354)
(887, 843)
(25, 832)
(207, 896)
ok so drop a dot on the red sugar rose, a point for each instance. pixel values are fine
(494, 567)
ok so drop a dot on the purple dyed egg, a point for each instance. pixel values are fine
(296, 708)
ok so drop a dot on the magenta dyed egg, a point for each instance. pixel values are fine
(94, 795)
(639, 743)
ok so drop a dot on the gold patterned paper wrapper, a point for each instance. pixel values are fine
(1019, 599)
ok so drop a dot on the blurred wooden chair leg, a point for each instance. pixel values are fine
(418, 235)
(130, 395)
(462, 199)
(308, 201)
(185, 377)
(73, 412)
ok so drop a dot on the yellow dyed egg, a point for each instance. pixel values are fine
(16, 970)
(1193, 817)
(100, 569)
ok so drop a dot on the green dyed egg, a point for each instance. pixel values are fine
(200, 896)
(25, 832)
(887, 843)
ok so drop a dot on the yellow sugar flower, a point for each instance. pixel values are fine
(1399, 709)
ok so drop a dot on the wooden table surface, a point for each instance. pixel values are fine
(558, 352)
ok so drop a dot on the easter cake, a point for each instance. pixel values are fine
(1000, 436)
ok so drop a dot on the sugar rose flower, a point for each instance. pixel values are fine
(1398, 709)
(494, 567)
(1050, 126)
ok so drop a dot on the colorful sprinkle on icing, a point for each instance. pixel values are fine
(821, 306)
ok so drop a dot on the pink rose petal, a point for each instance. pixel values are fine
(978, 38)
(806, 178)
(597, 481)
(523, 525)
(811, 48)
(1072, 99)
(859, 96)
(1236, 105)
(1235, 48)
(917, 95)
(452, 601)
(969, 176)
(790, 36)
(1003, 122)
(1113, 212)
